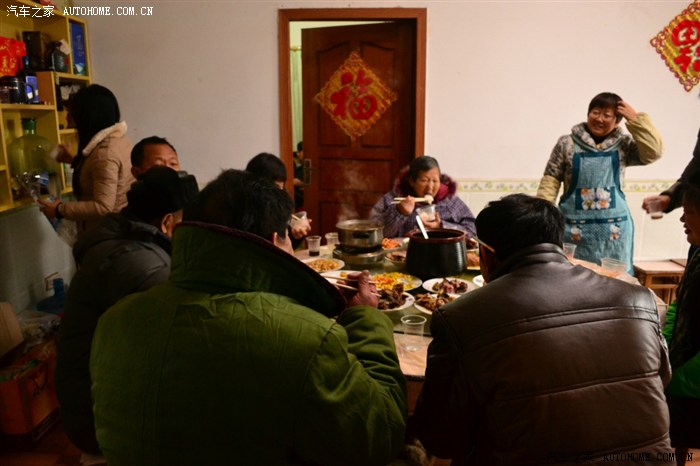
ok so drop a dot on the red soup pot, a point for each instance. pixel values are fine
(444, 253)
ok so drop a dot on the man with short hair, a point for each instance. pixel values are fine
(246, 355)
(549, 362)
(152, 151)
(123, 254)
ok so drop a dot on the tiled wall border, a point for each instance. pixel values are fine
(530, 186)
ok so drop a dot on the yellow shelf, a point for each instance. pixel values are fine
(50, 121)
(73, 77)
(28, 107)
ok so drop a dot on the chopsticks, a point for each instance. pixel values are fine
(347, 287)
(429, 200)
(340, 277)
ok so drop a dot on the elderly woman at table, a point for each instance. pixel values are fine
(420, 179)
(682, 331)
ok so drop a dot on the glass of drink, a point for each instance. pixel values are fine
(413, 326)
(655, 209)
(427, 213)
(569, 249)
(314, 244)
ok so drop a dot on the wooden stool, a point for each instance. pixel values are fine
(661, 276)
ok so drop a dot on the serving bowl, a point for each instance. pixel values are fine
(442, 254)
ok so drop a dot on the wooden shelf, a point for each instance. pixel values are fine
(28, 107)
(49, 119)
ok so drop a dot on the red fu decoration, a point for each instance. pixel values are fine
(679, 45)
(354, 97)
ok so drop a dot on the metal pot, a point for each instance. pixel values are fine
(364, 234)
(444, 253)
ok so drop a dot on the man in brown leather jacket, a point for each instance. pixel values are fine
(549, 363)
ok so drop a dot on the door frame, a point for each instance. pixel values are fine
(285, 16)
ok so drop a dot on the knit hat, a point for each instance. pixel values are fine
(159, 191)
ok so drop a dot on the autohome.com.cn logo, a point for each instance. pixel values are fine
(26, 11)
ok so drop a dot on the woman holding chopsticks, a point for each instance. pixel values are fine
(420, 185)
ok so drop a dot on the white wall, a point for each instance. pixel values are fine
(504, 80)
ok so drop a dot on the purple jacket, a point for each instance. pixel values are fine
(454, 213)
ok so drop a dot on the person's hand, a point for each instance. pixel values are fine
(298, 182)
(406, 206)
(663, 199)
(434, 223)
(301, 229)
(63, 154)
(49, 207)
(366, 296)
(626, 110)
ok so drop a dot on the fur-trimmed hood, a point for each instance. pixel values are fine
(117, 130)
(448, 187)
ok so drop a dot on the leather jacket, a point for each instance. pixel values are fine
(549, 363)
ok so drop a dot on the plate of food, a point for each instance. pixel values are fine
(321, 265)
(394, 244)
(395, 299)
(427, 303)
(478, 280)
(386, 281)
(453, 286)
(397, 257)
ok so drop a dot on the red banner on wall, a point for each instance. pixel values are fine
(679, 45)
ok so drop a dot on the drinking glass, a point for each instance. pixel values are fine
(413, 326)
(314, 244)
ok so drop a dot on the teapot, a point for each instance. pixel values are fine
(19, 91)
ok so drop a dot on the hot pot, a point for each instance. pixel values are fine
(444, 253)
(360, 234)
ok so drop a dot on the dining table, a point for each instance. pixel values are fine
(413, 363)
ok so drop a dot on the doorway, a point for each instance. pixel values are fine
(326, 212)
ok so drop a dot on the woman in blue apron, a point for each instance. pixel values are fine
(590, 163)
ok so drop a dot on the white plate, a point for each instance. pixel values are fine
(429, 284)
(408, 301)
(403, 244)
(478, 280)
(337, 263)
(397, 257)
(409, 281)
(423, 309)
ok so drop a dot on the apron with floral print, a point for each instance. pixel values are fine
(598, 220)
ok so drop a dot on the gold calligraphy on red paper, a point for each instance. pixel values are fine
(679, 45)
(354, 97)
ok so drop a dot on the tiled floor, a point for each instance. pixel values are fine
(53, 450)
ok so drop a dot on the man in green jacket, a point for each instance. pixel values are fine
(237, 360)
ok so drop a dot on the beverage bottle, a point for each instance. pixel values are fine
(28, 75)
(30, 162)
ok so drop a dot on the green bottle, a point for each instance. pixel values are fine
(30, 163)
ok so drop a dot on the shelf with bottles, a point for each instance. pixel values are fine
(22, 16)
(44, 125)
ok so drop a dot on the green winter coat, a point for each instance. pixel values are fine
(232, 362)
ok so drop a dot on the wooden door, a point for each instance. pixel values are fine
(348, 175)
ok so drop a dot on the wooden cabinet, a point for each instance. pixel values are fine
(17, 16)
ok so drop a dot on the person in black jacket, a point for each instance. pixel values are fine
(549, 362)
(671, 198)
(125, 253)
